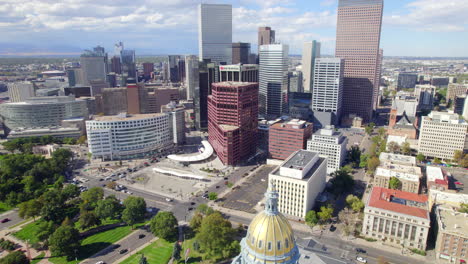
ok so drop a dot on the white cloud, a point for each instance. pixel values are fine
(432, 15)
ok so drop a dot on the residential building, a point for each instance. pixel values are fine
(407, 80)
(397, 218)
(42, 112)
(327, 92)
(191, 75)
(208, 74)
(299, 180)
(310, 52)
(425, 95)
(442, 134)
(391, 158)
(452, 236)
(456, 89)
(20, 91)
(127, 136)
(436, 179)
(288, 137)
(240, 53)
(232, 120)
(329, 143)
(238, 73)
(266, 36)
(357, 42)
(273, 80)
(409, 176)
(215, 33)
(176, 121)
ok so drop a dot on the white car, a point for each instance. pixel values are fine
(168, 199)
(100, 262)
(361, 259)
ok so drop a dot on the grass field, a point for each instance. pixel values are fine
(38, 258)
(158, 252)
(194, 256)
(96, 243)
(28, 232)
(4, 207)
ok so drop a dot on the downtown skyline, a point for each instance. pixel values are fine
(163, 27)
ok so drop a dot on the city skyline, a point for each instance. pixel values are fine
(157, 27)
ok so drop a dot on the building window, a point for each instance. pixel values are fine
(269, 246)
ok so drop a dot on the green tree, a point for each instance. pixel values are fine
(394, 183)
(216, 233)
(393, 147)
(354, 203)
(91, 197)
(45, 229)
(458, 156)
(31, 208)
(325, 213)
(196, 221)
(205, 209)
(354, 155)
(164, 225)
(143, 260)
(52, 206)
(110, 207)
(70, 191)
(437, 161)
(64, 241)
(364, 160)
(311, 218)
(88, 219)
(15, 257)
(81, 140)
(176, 251)
(213, 196)
(406, 148)
(420, 157)
(369, 128)
(341, 181)
(135, 209)
(381, 131)
(463, 208)
(372, 164)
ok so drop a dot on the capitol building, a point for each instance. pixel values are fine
(270, 238)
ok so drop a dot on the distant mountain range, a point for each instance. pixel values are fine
(28, 50)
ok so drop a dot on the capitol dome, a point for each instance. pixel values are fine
(270, 239)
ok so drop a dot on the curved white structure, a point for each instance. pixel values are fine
(202, 156)
(181, 174)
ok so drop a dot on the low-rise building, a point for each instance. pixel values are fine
(409, 176)
(436, 179)
(330, 144)
(456, 89)
(442, 134)
(299, 180)
(397, 218)
(452, 237)
(386, 157)
(128, 136)
(287, 137)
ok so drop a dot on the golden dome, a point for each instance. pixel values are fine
(270, 238)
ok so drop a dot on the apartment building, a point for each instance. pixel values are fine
(452, 238)
(299, 180)
(397, 218)
(409, 176)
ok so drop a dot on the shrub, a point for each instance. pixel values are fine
(370, 239)
(417, 251)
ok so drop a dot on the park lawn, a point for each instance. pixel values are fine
(38, 258)
(4, 207)
(28, 232)
(95, 243)
(158, 252)
(194, 256)
(103, 222)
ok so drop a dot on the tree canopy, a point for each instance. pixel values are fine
(164, 225)
(64, 241)
(216, 235)
(135, 209)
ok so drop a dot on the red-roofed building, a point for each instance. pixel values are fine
(397, 218)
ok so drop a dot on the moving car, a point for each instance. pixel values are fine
(4, 220)
(123, 251)
(140, 236)
(100, 262)
(361, 259)
(360, 250)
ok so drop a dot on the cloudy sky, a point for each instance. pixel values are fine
(410, 27)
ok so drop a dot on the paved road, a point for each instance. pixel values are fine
(131, 243)
(13, 215)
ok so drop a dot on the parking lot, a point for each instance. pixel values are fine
(246, 196)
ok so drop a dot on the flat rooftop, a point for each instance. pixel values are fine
(299, 160)
(434, 173)
(397, 158)
(409, 173)
(452, 221)
(228, 127)
(123, 117)
(399, 202)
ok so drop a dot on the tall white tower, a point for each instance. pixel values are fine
(310, 52)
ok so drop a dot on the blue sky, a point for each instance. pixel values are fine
(410, 27)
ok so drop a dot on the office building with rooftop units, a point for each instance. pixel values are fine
(215, 33)
(40, 112)
(391, 158)
(397, 218)
(456, 89)
(240, 53)
(128, 136)
(299, 180)
(233, 120)
(452, 237)
(409, 176)
(238, 73)
(407, 80)
(20, 91)
(357, 42)
(441, 134)
(327, 91)
(288, 137)
(273, 80)
(330, 144)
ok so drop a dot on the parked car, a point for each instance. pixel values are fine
(360, 250)
(168, 200)
(361, 259)
(459, 183)
(4, 220)
(140, 236)
(100, 262)
(123, 251)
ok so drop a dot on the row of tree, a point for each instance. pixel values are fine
(24, 145)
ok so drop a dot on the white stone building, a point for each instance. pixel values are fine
(330, 144)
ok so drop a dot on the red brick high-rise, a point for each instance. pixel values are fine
(357, 42)
(288, 137)
(232, 120)
(148, 68)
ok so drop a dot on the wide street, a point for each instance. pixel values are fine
(14, 219)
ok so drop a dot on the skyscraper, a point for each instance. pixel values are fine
(148, 68)
(173, 65)
(94, 67)
(116, 66)
(327, 93)
(273, 76)
(240, 53)
(310, 52)
(232, 120)
(266, 36)
(207, 74)
(191, 75)
(127, 58)
(215, 33)
(357, 42)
